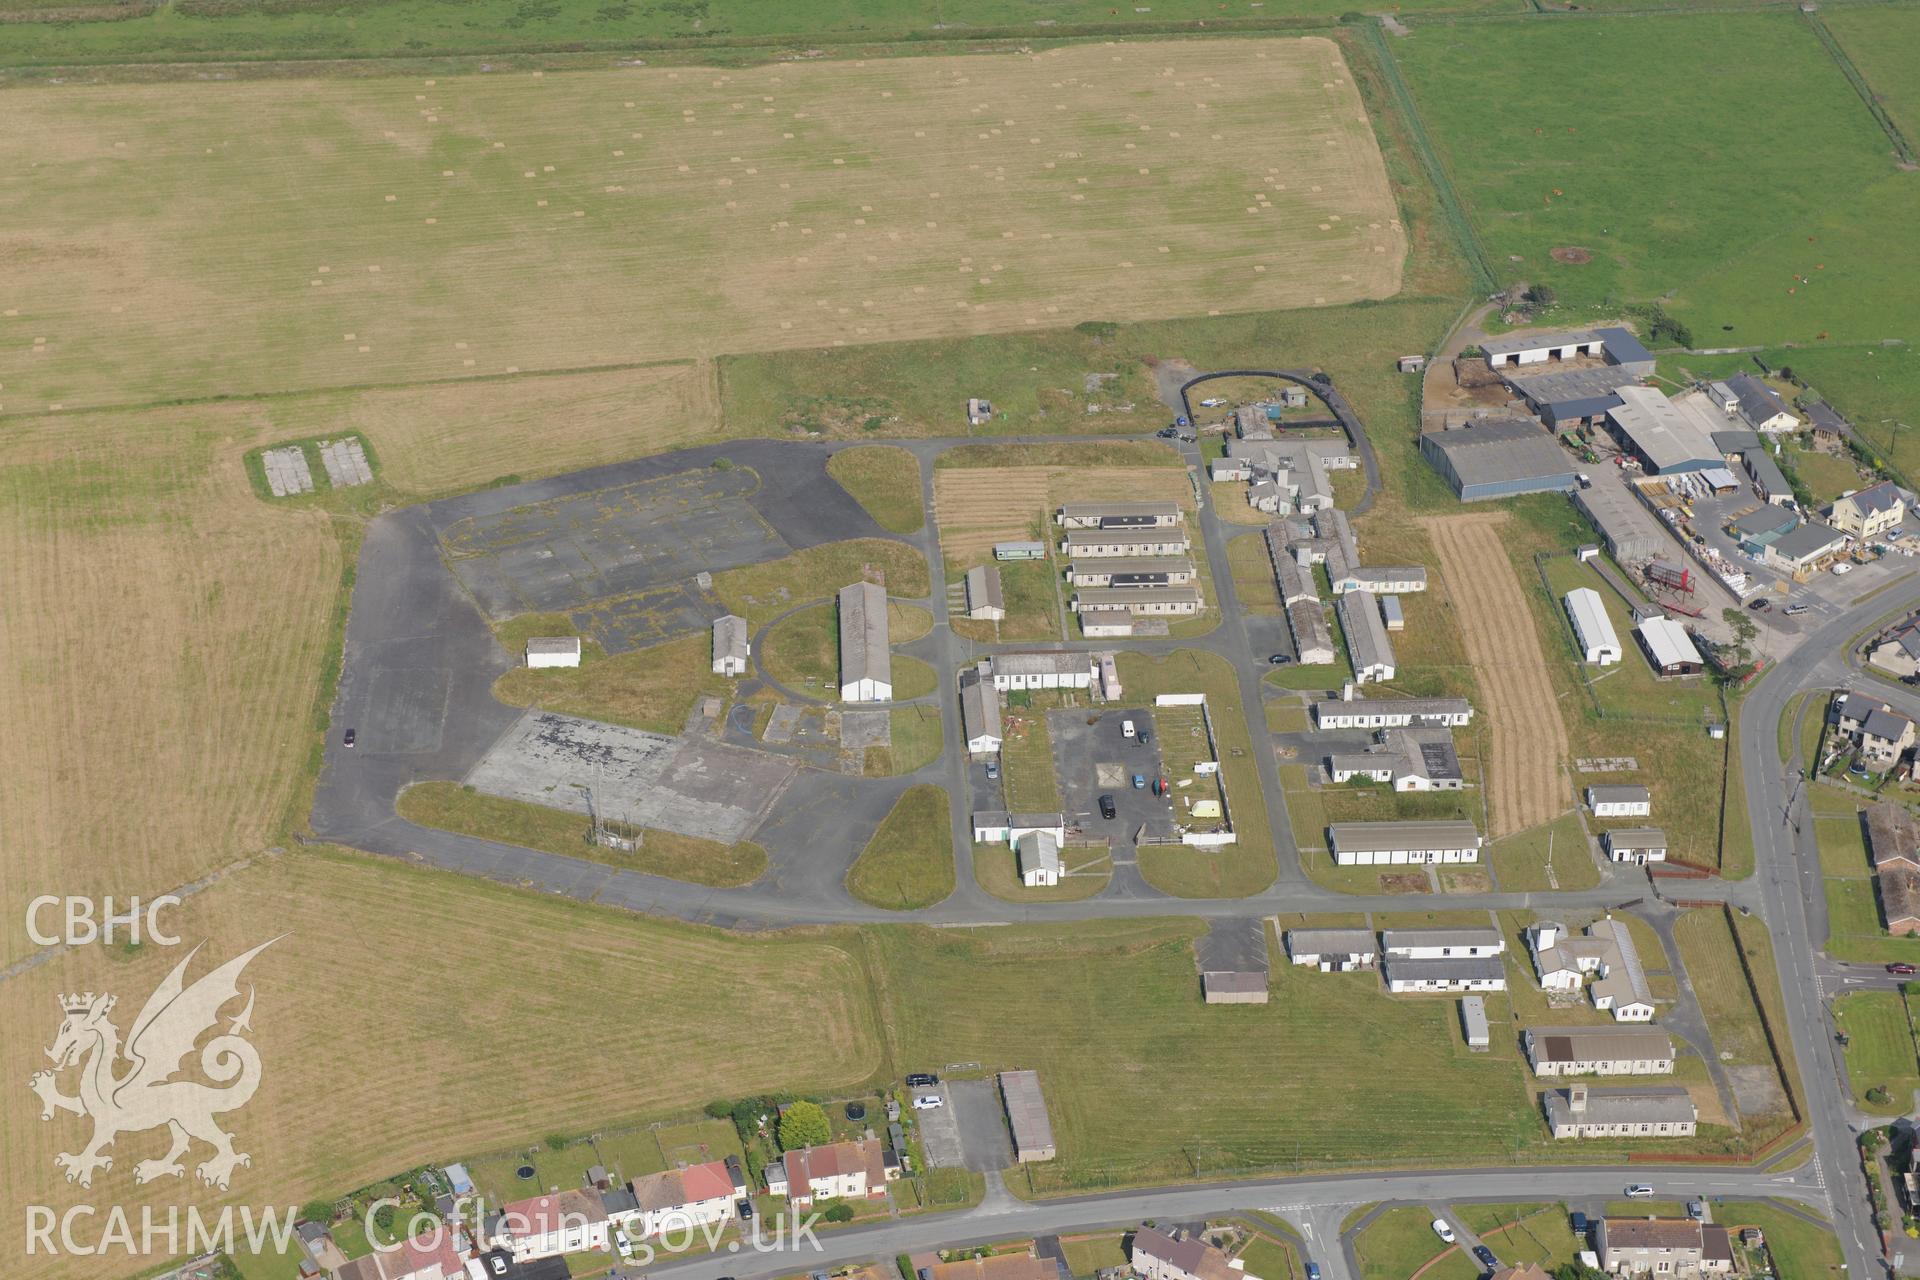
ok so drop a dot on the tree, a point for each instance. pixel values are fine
(839, 1213)
(1878, 1096)
(1744, 630)
(803, 1124)
(719, 1109)
(1542, 295)
(320, 1211)
(746, 1118)
(383, 1219)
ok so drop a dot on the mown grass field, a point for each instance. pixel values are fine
(1599, 171)
(909, 861)
(1884, 44)
(1880, 1050)
(1732, 1005)
(345, 232)
(885, 479)
(1400, 1243)
(652, 688)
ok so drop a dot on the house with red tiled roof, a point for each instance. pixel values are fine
(838, 1171)
(570, 1222)
(681, 1198)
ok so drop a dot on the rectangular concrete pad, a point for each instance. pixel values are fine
(701, 789)
(865, 729)
(406, 710)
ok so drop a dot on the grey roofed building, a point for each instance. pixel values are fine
(1734, 442)
(1165, 600)
(1309, 946)
(1388, 837)
(979, 712)
(1767, 476)
(1572, 394)
(1615, 1050)
(1458, 973)
(1626, 350)
(1806, 542)
(1758, 402)
(1667, 440)
(1027, 1116)
(731, 645)
(1497, 458)
(1618, 793)
(1234, 987)
(1623, 842)
(1381, 713)
(1627, 1112)
(1825, 418)
(984, 598)
(1630, 531)
(1111, 515)
(1763, 522)
(866, 663)
(1367, 642)
(1462, 939)
(1514, 343)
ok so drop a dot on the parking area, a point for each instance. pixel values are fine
(940, 1136)
(982, 1124)
(1099, 759)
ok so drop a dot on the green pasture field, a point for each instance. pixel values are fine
(253, 30)
(1880, 1051)
(1671, 160)
(1884, 43)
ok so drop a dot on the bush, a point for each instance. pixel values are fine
(383, 1218)
(556, 1141)
(320, 1211)
(1098, 330)
(720, 1109)
(1878, 1096)
(839, 1213)
(746, 1118)
(804, 1124)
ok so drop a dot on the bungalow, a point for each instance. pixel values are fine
(1635, 844)
(1620, 801)
(1040, 669)
(1758, 404)
(985, 600)
(1408, 759)
(1441, 944)
(979, 714)
(1465, 974)
(838, 1171)
(1391, 713)
(1364, 844)
(1893, 840)
(1898, 653)
(1118, 515)
(1607, 954)
(1088, 544)
(1333, 950)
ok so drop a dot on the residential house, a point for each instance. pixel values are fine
(1038, 853)
(1350, 712)
(1598, 1051)
(731, 645)
(1893, 841)
(1757, 404)
(1333, 950)
(1580, 1111)
(1898, 652)
(1869, 513)
(1156, 1255)
(1639, 845)
(681, 1198)
(1663, 1247)
(1407, 759)
(837, 1171)
(1829, 428)
(569, 1222)
(1619, 801)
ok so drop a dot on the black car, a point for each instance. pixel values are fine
(1167, 433)
(745, 1207)
(1279, 659)
(920, 1079)
(1144, 738)
(1106, 807)
(346, 739)
(1761, 605)
(1486, 1257)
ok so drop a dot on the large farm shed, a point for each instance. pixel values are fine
(1668, 647)
(1654, 429)
(1627, 527)
(866, 663)
(1572, 396)
(1498, 459)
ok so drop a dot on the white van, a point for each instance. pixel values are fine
(1126, 728)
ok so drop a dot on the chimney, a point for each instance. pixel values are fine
(1577, 1099)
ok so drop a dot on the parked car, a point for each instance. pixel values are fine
(1441, 1229)
(347, 738)
(744, 1207)
(1486, 1257)
(1640, 1191)
(1795, 610)
(1167, 433)
(1126, 728)
(928, 1102)
(1901, 969)
(1841, 568)
(917, 1079)
(1213, 402)
(1760, 605)
(1279, 659)
(1578, 1222)
(1106, 807)
(993, 770)
(1313, 1271)
(1697, 1210)
(1139, 782)
(1145, 737)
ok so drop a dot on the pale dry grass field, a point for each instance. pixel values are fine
(185, 240)
(411, 1016)
(976, 507)
(1528, 739)
(454, 436)
(161, 636)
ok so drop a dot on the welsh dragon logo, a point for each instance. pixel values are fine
(144, 1095)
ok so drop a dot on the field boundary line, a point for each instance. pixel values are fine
(1858, 79)
(1452, 208)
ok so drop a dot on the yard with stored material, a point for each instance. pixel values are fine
(351, 231)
